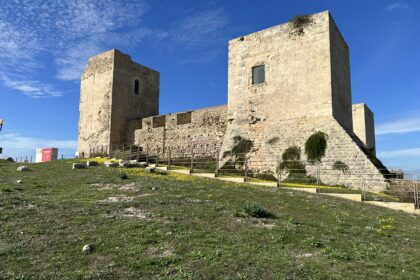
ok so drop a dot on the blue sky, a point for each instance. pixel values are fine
(44, 46)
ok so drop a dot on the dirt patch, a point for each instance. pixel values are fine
(157, 252)
(126, 187)
(304, 255)
(133, 212)
(262, 224)
(119, 198)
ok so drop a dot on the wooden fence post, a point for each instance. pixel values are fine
(216, 172)
(246, 169)
(192, 162)
(169, 158)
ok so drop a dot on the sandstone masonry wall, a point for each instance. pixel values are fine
(203, 135)
(95, 103)
(364, 125)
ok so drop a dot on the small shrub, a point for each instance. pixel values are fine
(299, 23)
(340, 166)
(315, 146)
(291, 162)
(241, 145)
(291, 153)
(254, 210)
(123, 176)
(10, 159)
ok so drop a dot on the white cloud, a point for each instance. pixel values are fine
(69, 31)
(397, 6)
(31, 88)
(16, 145)
(399, 126)
(414, 152)
(196, 28)
(34, 31)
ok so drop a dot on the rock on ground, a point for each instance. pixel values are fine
(23, 168)
(149, 169)
(125, 163)
(87, 249)
(78, 166)
(110, 164)
(92, 163)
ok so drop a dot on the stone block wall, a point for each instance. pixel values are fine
(108, 100)
(203, 135)
(364, 125)
(272, 140)
(96, 103)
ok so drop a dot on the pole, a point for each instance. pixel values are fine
(246, 168)
(279, 173)
(216, 172)
(169, 158)
(414, 190)
(317, 174)
(192, 162)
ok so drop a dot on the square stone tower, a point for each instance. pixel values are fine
(113, 90)
(290, 71)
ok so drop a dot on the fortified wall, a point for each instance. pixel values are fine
(284, 84)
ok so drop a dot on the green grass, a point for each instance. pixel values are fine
(189, 228)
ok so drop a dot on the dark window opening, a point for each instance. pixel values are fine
(136, 87)
(258, 75)
(183, 118)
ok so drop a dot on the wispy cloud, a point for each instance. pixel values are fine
(69, 31)
(204, 26)
(16, 145)
(405, 125)
(397, 6)
(414, 152)
(31, 88)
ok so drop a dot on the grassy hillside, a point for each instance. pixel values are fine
(153, 226)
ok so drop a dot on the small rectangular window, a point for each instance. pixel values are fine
(136, 87)
(258, 74)
(159, 121)
(183, 118)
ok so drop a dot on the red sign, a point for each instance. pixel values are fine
(46, 154)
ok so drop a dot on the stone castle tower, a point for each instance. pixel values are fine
(284, 84)
(114, 90)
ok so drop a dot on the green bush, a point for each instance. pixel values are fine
(299, 22)
(340, 166)
(254, 210)
(291, 162)
(315, 146)
(291, 153)
(123, 176)
(241, 145)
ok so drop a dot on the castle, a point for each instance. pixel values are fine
(284, 83)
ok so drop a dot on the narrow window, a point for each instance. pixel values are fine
(136, 87)
(258, 74)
